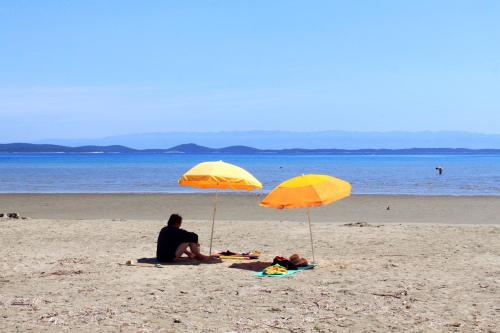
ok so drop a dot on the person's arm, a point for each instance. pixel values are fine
(188, 237)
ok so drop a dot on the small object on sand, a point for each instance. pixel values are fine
(397, 294)
(275, 270)
(237, 255)
(13, 215)
(455, 324)
(388, 208)
(129, 263)
(357, 224)
(1, 214)
(298, 261)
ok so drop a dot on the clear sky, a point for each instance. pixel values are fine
(79, 69)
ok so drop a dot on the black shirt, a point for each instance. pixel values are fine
(169, 240)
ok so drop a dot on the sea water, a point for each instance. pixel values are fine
(158, 173)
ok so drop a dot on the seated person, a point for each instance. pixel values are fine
(173, 242)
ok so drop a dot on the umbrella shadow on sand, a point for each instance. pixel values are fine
(256, 266)
(180, 261)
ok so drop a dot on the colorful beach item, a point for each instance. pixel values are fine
(307, 191)
(221, 176)
(275, 272)
(238, 255)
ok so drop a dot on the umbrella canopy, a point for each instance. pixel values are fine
(307, 191)
(219, 175)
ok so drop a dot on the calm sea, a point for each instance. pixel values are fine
(66, 173)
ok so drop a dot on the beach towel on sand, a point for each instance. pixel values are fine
(237, 256)
(290, 272)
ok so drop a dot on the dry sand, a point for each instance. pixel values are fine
(62, 269)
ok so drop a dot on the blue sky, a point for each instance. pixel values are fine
(82, 69)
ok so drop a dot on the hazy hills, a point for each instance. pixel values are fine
(49, 148)
(196, 149)
(287, 140)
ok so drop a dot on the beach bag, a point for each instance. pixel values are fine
(282, 261)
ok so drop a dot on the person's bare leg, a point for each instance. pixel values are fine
(181, 249)
(195, 249)
(189, 254)
(194, 252)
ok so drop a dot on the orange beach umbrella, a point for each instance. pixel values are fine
(307, 191)
(219, 175)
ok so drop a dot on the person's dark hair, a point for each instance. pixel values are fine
(174, 219)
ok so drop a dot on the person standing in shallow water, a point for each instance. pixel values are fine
(439, 169)
(173, 242)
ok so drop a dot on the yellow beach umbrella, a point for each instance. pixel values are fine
(307, 191)
(219, 175)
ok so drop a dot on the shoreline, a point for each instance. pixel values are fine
(245, 206)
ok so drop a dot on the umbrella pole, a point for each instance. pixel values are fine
(213, 222)
(310, 233)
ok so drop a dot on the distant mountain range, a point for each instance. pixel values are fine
(192, 148)
(289, 140)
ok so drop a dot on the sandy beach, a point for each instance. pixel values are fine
(426, 264)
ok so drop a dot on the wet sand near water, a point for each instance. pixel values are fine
(402, 209)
